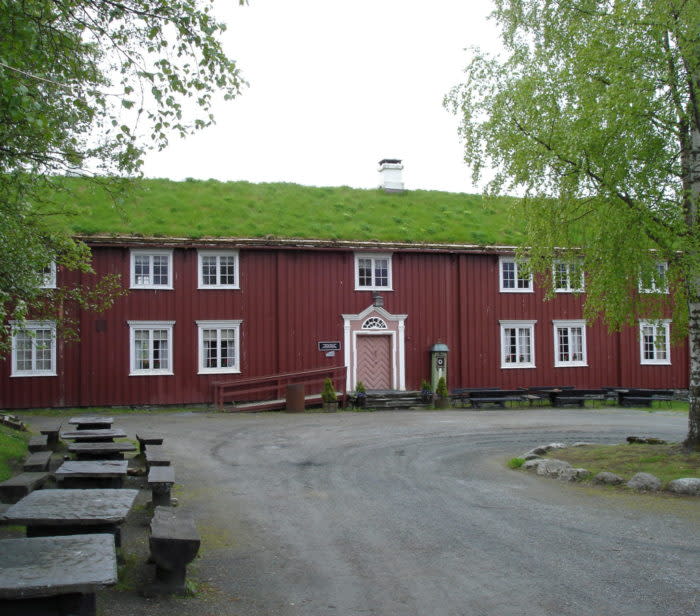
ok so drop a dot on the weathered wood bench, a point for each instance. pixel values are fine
(40, 442)
(174, 543)
(156, 456)
(101, 435)
(461, 395)
(37, 462)
(51, 434)
(160, 481)
(55, 575)
(492, 396)
(644, 397)
(147, 438)
(85, 474)
(91, 422)
(101, 451)
(576, 397)
(16, 488)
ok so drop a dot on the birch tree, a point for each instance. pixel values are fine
(592, 113)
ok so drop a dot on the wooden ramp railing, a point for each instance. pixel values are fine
(269, 392)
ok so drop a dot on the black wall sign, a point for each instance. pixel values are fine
(329, 346)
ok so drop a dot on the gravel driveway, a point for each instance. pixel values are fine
(414, 513)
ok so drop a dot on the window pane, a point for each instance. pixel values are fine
(228, 270)
(228, 348)
(648, 341)
(23, 351)
(364, 272)
(508, 274)
(576, 344)
(510, 352)
(141, 349)
(561, 276)
(524, 344)
(563, 335)
(160, 269)
(142, 270)
(209, 270)
(210, 346)
(160, 349)
(381, 273)
(42, 342)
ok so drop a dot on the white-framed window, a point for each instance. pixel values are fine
(34, 348)
(217, 269)
(151, 269)
(512, 277)
(567, 277)
(570, 344)
(518, 344)
(655, 342)
(151, 347)
(48, 275)
(219, 346)
(655, 281)
(372, 272)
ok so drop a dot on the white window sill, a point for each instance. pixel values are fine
(571, 364)
(374, 289)
(31, 374)
(517, 291)
(215, 287)
(661, 362)
(219, 371)
(514, 366)
(152, 373)
(159, 287)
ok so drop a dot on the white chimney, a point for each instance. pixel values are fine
(390, 174)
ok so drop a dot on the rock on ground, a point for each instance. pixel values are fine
(685, 485)
(644, 482)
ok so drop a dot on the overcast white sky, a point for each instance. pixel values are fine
(335, 86)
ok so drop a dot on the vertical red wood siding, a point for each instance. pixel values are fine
(290, 299)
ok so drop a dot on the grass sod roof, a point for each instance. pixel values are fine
(199, 209)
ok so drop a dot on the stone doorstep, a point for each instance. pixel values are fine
(37, 462)
(17, 487)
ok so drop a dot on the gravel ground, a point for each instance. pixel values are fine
(410, 513)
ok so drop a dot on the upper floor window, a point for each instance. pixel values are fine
(151, 269)
(655, 281)
(569, 343)
(151, 347)
(34, 349)
(518, 344)
(372, 272)
(219, 346)
(217, 269)
(48, 280)
(567, 277)
(513, 278)
(654, 342)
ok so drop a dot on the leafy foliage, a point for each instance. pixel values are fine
(593, 114)
(85, 87)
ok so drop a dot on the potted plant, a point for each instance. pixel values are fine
(443, 396)
(329, 397)
(360, 395)
(426, 392)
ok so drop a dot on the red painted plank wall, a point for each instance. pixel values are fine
(289, 299)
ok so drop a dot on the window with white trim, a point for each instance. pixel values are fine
(48, 274)
(372, 272)
(151, 269)
(655, 281)
(34, 348)
(518, 344)
(513, 278)
(219, 346)
(655, 342)
(217, 269)
(567, 277)
(151, 347)
(570, 344)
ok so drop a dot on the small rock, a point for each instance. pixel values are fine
(608, 478)
(573, 474)
(552, 468)
(685, 485)
(644, 482)
(645, 440)
(533, 463)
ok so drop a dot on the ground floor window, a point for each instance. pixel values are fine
(151, 347)
(219, 346)
(569, 343)
(518, 344)
(654, 341)
(34, 348)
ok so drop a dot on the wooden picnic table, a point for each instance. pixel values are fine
(91, 473)
(103, 451)
(105, 435)
(45, 575)
(72, 512)
(91, 422)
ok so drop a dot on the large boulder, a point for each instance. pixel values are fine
(552, 468)
(685, 485)
(608, 478)
(644, 482)
(573, 474)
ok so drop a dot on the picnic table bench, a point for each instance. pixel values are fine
(174, 542)
(461, 395)
(576, 397)
(40, 442)
(161, 480)
(643, 397)
(55, 575)
(72, 512)
(91, 422)
(156, 456)
(102, 451)
(148, 438)
(17, 487)
(37, 462)
(494, 396)
(51, 434)
(91, 473)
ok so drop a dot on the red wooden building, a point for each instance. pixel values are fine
(210, 311)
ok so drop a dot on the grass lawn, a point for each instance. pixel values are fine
(667, 462)
(13, 449)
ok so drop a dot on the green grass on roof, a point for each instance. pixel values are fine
(209, 208)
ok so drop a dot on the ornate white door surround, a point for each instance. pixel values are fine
(376, 321)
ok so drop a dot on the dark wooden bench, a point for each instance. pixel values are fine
(461, 395)
(576, 397)
(644, 397)
(494, 396)
(16, 488)
(51, 434)
(174, 543)
(161, 480)
(156, 456)
(146, 438)
(37, 462)
(38, 443)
